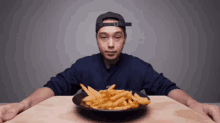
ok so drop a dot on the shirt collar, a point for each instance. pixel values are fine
(117, 63)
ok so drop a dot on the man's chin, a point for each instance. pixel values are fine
(110, 58)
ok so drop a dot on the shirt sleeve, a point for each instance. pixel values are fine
(66, 82)
(157, 84)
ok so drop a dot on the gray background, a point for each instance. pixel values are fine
(40, 38)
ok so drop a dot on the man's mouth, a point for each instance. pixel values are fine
(111, 52)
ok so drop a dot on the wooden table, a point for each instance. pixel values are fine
(60, 109)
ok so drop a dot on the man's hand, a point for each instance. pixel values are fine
(9, 111)
(211, 111)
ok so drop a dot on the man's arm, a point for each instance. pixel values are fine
(182, 97)
(210, 111)
(9, 111)
(38, 96)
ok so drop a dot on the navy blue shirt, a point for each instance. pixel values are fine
(129, 73)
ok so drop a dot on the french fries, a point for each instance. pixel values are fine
(94, 92)
(112, 99)
(111, 88)
(85, 89)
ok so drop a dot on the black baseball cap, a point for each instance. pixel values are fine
(121, 22)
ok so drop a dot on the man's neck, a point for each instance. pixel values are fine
(110, 63)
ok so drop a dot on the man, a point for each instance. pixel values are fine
(108, 67)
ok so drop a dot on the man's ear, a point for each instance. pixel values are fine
(125, 40)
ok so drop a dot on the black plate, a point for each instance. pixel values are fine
(77, 99)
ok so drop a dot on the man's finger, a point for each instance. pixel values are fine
(1, 121)
(11, 113)
(2, 111)
(207, 116)
(214, 112)
(9, 116)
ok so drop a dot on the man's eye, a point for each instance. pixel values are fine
(103, 37)
(118, 37)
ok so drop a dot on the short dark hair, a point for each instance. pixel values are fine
(111, 18)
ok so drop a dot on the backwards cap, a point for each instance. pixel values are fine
(121, 22)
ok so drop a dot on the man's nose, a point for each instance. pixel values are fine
(111, 43)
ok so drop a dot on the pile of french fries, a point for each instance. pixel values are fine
(112, 99)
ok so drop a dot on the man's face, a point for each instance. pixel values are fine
(110, 40)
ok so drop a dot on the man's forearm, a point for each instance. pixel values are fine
(38, 96)
(182, 97)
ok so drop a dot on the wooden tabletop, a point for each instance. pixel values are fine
(59, 109)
